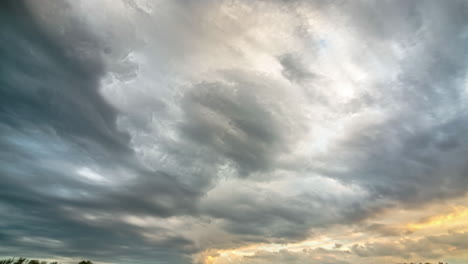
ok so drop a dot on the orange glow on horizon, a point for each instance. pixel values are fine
(459, 213)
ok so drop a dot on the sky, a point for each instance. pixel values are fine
(234, 131)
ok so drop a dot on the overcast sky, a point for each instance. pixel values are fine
(234, 132)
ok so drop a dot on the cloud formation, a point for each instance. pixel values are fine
(200, 131)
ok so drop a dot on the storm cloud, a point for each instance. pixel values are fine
(195, 131)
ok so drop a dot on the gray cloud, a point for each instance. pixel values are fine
(429, 248)
(294, 69)
(231, 121)
(103, 118)
(54, 122)
(404, 156)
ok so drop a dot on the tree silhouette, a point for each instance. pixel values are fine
(34, 261)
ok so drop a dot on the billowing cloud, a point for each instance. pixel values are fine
(261, 132)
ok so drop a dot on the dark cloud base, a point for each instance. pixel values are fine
(51, 110)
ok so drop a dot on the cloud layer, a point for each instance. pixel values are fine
(217, 131)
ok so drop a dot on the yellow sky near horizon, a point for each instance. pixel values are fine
(392, 226)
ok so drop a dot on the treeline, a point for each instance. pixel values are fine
(34, 261)
(416, 263)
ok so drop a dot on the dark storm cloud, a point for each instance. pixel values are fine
(270, 219)
(40, 226)
(50, 84)
(69, 175)
(53, 120)
(233, 123)
(265, 217)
